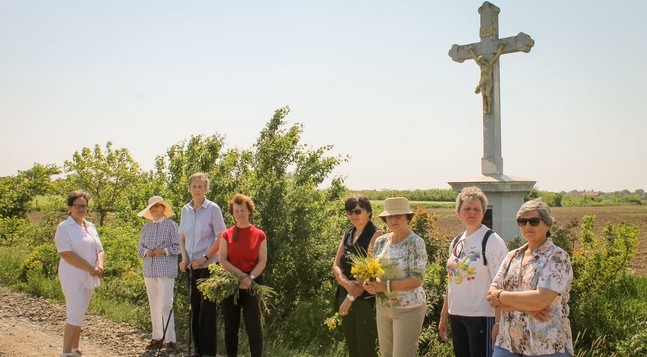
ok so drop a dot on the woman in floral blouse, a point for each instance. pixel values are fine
(401, 300)
(532, 291)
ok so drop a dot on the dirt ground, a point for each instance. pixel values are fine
(32, 326)
(448, 223)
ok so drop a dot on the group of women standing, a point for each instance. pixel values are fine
(497, 303)
(201, 239)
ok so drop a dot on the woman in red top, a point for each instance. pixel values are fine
(243, 252)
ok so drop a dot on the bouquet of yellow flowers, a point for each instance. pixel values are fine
(368, 267)
(333, 322)
(221, 284)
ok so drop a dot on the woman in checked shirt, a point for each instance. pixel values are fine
(159, 245)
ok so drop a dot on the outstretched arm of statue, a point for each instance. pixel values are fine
(471, 49)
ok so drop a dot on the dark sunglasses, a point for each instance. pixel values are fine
(356, 212)
(533, 221)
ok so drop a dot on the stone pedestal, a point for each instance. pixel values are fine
(505, 197)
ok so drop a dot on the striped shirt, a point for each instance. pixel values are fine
(162, 234)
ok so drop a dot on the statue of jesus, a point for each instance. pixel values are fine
(485, 84)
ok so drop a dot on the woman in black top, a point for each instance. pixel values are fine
(356, 306)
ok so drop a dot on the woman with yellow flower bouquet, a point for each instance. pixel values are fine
(401, 300)
(356, 306)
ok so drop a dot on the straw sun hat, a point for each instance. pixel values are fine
(146, 213)
(396, 205)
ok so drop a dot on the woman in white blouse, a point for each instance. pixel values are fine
(80, 267)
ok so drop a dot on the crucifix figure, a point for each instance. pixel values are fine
(486, 54)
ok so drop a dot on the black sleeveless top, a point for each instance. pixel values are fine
(359, 248)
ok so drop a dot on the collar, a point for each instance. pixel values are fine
(159, 220)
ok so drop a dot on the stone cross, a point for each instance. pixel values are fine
(490, 47)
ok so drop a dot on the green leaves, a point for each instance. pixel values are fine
(105, 175)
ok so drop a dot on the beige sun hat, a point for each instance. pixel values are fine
(396, 205)
(146, 213)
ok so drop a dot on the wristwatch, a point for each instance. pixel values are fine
(205, 256)
(252, 276)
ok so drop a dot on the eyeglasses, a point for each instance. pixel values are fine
(533, 221)
(356, 212)
(80, 206)
(395, 216)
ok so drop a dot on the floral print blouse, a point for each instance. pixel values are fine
(403, 260)
(549, 268)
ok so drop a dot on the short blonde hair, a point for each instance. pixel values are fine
(468, 194)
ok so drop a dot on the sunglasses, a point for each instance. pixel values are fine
(356, 212)
(533, 221)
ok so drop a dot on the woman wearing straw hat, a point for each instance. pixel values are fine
(159, 245)
(401, 300)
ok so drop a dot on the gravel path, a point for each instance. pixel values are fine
(32, 326)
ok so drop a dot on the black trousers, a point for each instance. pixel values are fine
(359, 326)
(471, 335)
(252, 316)
(204, 313)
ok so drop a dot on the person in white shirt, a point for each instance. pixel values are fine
(201, 224)
(80, 267)
(470, 273)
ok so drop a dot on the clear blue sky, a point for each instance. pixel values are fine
(372, 78)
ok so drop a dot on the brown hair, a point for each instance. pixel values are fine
(72, 196)
(239, 200)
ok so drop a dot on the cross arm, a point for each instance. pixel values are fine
(519, 43)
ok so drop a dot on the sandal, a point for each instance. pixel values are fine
(154, 343)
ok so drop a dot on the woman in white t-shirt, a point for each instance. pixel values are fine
(469, 277)
(80, 267)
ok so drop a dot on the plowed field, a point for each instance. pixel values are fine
(449, 224)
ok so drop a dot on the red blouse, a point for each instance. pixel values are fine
(243, 251)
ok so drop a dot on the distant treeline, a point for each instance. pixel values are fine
(434, 194)
(554, 199)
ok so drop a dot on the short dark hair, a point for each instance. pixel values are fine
(361, 201)
(239, 200)
(72, 196)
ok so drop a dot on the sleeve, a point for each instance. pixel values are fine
(418, 260)
(174, 248)
(496, 251)
(498, 278)
(96, 234)
(183, 222)
(218, 221)
(63, 239)
(557, 274)
(142, 248)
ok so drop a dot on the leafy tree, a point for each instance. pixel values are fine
(18, 192)
(105, 175)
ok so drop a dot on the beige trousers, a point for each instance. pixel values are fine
(398, 330)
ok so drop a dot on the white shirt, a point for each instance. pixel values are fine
(469, 279)
(70, 237)
(200, 229)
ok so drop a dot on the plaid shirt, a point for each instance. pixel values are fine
(162, 234)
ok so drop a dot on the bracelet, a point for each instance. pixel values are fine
(498, 297)
(496, 323)
(388, 286)
(350, 297)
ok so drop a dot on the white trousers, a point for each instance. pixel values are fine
(160, 299)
